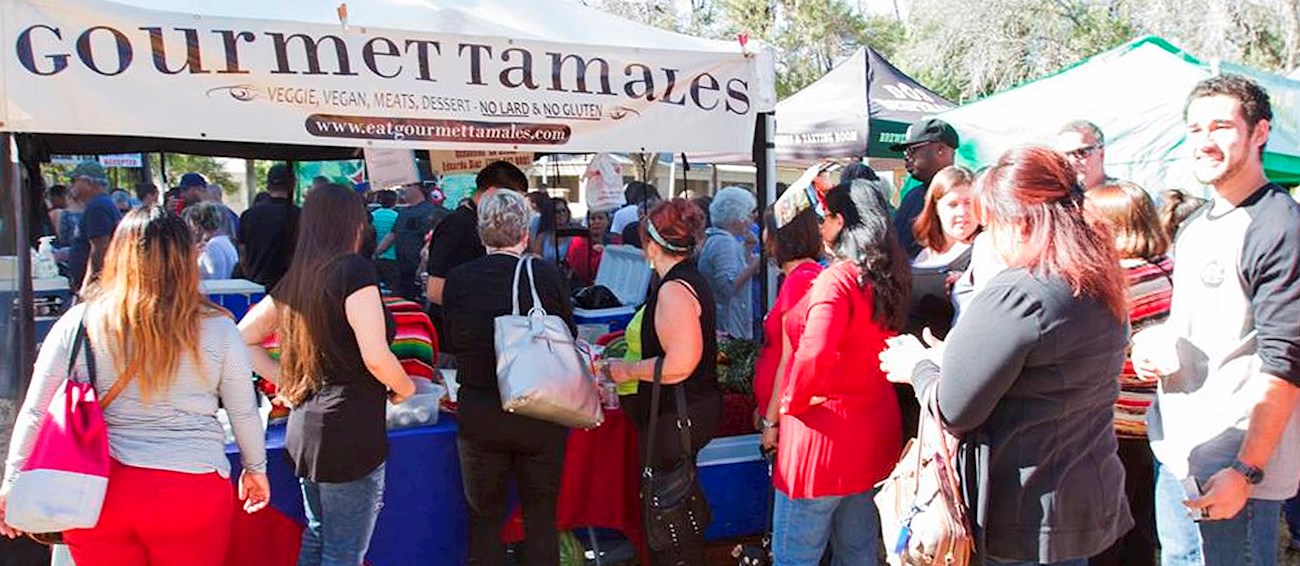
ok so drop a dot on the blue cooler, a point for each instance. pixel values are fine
(235, 295)
(623, 270)
(735, 480)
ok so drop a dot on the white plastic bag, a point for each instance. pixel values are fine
(602, 184)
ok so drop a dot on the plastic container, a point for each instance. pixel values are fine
(420, 409)
(735, 480)
(45, 267)
(623, 270)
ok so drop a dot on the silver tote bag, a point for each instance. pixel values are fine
(540, 371)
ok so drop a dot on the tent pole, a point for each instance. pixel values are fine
(24, 315)
(765, 159)
(672, 177)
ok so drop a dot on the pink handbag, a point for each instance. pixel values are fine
(63, 482)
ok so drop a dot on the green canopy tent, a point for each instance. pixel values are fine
(1135, 93)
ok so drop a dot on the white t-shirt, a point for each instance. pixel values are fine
(622, 217)
(218, 259)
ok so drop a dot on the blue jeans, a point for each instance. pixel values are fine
(802, 527)
(340, 519)
(1249, 539)
(1291, 509)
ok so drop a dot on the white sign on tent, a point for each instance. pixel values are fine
(387, 168)
(104, 68)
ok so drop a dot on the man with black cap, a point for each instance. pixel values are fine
(95, 229)
(268, 231)
(930, 146)
(193, 188)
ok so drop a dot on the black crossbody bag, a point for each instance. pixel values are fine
(672, 502)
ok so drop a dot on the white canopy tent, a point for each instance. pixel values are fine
(542, 75)
(302, 80)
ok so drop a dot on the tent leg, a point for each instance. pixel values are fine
(765, 160)
(21, 310)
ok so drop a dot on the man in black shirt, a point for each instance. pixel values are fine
(268, 231)
(456, 241)
(929, 147)
(413, 223)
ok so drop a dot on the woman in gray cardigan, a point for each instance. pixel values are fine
(1027, 377)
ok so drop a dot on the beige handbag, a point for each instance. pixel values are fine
(923, 515)
(541, 373)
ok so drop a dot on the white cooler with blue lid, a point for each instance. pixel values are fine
(623, 270)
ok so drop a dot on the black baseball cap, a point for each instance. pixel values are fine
(279, 175)
(926, 131)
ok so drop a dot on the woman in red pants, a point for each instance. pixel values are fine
(165, 356)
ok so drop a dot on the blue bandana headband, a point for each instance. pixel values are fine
(654, 235)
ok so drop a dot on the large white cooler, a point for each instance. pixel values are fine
(623, 271)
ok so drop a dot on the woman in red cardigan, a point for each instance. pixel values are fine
(840, 427)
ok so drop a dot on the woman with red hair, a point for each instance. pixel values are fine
(1027, 377)
(679, 330)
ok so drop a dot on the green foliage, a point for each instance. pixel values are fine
(179, 164)
(811, 36)
(966, 49)
(736, 360)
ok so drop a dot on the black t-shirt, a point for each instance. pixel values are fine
(908, 209)
(338, 434)
(268, 232)
(455, 242)
(477, 293)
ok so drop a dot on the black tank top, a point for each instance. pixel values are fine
(702, 384)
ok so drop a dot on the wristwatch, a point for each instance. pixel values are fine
(766, 424)
(1252, 474)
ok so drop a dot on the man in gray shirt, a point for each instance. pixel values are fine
(1223, 426)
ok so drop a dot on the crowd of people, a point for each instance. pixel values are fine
(1121, 370)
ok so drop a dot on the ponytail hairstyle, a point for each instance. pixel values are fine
(868, 240)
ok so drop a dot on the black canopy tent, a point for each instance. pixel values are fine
(858, 109)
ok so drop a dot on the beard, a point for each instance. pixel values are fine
(1210, 176)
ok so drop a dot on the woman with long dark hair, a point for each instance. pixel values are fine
(166, 357)
(1027, 376)
(840, 425)
(336, 372)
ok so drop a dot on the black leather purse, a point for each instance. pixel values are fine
(672, 502)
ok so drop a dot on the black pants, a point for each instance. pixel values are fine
(408, 281)
(1138, 546)
(495, 448)
(668, 454)
(389, 274)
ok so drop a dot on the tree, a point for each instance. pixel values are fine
(965, 49)
(179, 164)
(811, 36)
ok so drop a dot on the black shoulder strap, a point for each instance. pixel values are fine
(683, 419)
(78, 343)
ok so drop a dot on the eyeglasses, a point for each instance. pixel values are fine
(912, 149)
(1083, 152)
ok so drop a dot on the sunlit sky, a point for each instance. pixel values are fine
(882, 7)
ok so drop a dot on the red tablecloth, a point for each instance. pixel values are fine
(600, 484)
